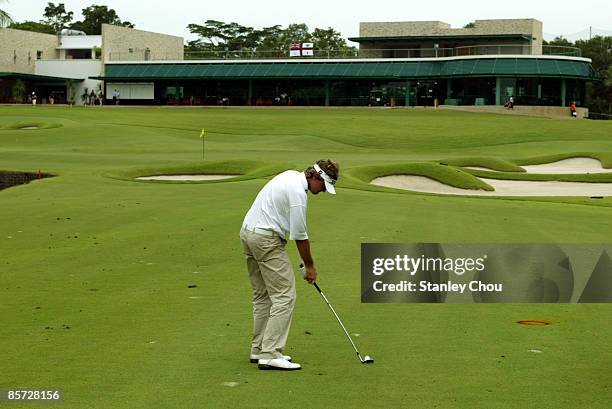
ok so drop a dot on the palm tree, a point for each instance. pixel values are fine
(5, 19)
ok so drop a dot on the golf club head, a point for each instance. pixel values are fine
(367, 360)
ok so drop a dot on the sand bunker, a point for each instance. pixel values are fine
(562, 167)
(187, 177)
(568, 166)
(502, 187)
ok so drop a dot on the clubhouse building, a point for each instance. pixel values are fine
(396, 64)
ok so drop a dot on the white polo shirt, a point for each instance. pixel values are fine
(281, 206)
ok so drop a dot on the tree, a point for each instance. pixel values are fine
(70, 88)
(331, 41)
(274, 41)
(18, 91)
(271, 41)
(5, 18)
(599, 94)
(93, 18)
(219, 36)
(33, 26)
(560, 41)
(57, 16)
(296, 33)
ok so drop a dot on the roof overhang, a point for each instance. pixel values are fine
(34, 77)
(497, 37)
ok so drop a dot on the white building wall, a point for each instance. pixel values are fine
(77, 69)
(80, 42)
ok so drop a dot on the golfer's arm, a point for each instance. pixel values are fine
(303, 247)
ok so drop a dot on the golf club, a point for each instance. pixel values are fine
(367, 359)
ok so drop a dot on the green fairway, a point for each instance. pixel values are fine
(95, 267)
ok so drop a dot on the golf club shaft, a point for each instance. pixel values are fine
(338, 318)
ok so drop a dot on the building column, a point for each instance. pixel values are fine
(407, 96)
(327, 93)
(498, 96)
(563, 92)
(250, 93)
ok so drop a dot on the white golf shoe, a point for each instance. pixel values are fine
(278, 364)
(255, 358)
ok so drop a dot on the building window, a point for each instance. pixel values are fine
(39, 55)
(78, 54)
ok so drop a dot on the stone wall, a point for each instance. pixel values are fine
(19, 49)
(402, 28)
(128, 44)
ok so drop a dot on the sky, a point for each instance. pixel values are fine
(568, 18)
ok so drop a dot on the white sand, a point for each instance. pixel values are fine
(562, 167)
(502, 187)
(187, 177)
(568, 166)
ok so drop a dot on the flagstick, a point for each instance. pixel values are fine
(203, 138)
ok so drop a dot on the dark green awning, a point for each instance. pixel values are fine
(477, 67)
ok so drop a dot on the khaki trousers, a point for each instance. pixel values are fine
(273, 284)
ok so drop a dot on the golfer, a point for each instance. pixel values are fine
(279, 211)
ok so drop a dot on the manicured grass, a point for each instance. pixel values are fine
(242, 169)
(112, 259)
(500, 165)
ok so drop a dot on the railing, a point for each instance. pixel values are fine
(473, 50)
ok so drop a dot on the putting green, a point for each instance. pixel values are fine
(129, 294)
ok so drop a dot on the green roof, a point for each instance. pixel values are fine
(32, 77)
(513, 37)
(528, 67)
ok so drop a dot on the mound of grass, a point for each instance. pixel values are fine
(449, 175)
(243, 169)
(500, 165)
(30, 125)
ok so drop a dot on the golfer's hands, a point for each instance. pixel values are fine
(311, 274)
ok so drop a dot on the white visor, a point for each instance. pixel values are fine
(329, 182)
